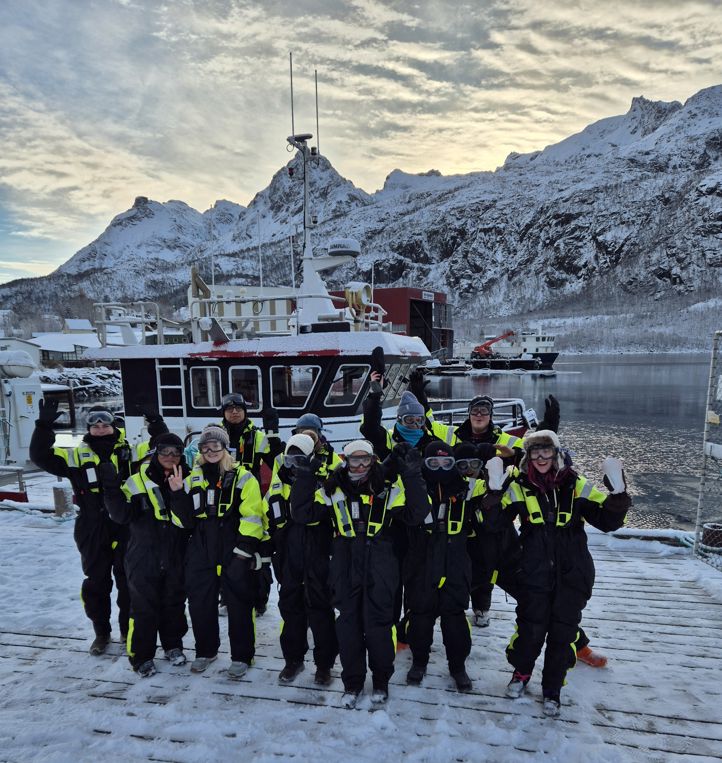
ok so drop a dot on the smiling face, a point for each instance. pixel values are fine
(168, 457)
(212, 451)
(542, 457)
(479, 417)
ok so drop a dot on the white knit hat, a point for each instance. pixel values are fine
(358, 445)
(301, 441)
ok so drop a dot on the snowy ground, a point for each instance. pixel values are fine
(656, 613)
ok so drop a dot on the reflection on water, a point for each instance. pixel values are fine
(646, 409)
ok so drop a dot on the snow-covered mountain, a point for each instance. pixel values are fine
(626, 212)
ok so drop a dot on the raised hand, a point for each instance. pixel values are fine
(175, 480)
(47, 411)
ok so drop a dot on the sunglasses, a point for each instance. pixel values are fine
(440, 462)
(480, 410)
(468, 464)
(295, 459)
(100, 417)
(170, 451)
(206, 449)
(541, 452)
(233, 399)
(412, 421)
(360, 460)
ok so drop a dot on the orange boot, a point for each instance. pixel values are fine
(587, 656)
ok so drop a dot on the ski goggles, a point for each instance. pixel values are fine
(411, 420)
(465, 465)
(169, 450)
(216, 447)
(480, 410)
(295, 459)
(434, 463)
(357, 461)
(541, 452)
(100, 417)
(234, 399)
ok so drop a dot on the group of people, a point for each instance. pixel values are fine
(369, 547)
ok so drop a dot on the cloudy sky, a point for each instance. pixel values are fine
(105, 100)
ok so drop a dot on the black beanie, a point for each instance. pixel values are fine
(466, 450)
(168, 439)
(482, 400)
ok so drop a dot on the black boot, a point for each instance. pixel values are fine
(100, 644)
(290, 671)
(322, 677)
(462, 680)
(416, 674)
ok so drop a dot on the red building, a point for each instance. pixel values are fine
(418, 312)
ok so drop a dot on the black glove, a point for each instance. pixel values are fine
(310, 465)
(150, 412)
(418, 383)
(270, 421)
(551, 414)
(108, 476)
(47, 413)
(485, 451)
(378, 361)
(410, 462)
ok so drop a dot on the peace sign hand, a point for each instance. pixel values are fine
(175, 481)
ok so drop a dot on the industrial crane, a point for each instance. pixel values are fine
(484, 350)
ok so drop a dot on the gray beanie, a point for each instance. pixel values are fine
(214, 434)
(409, 406)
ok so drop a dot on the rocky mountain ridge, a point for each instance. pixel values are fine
(626, 212)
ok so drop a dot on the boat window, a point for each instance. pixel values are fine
(246, 380)
(206, 387)
(291, 386)
(347, 384)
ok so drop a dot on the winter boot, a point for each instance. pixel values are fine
(515, 688)
(201, 663)
(322, 677)
(462, 680)
(589, 657)
(99, 645)
(237, 670)
(481, 618)
(260, 608)
(349, 698)
(291, 669)
(175, 657)
(146, 669)
(552, 704)
(381, 691)
(416, 674)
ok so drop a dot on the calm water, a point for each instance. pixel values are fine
(648, 410)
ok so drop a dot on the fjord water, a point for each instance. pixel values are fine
(646, 409)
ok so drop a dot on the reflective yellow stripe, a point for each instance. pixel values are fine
(129, 640)
(514, 637)
(114, 545)
(394, 637)
(441, 582)
(494, 576)
(218, 570)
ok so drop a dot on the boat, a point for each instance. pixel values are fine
(288, 348)
(528, 350)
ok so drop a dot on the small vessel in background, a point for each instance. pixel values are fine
(528, 349)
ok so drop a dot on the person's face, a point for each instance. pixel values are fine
(234, 414)
(212, 451)
(412, 421)
(100, 429)
(168, 457)
(469, 467)
(543, 457)
(479, 416)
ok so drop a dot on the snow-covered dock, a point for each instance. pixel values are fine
(656, 612)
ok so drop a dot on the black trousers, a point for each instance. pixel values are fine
(554, 617)
(364, 587)
(157, 608)
(203, 584)
(102, 545)
(437, 579)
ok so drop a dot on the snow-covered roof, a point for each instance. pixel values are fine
(332, 343)
(77, 324)
(57, 341)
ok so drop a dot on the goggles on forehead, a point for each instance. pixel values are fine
(169, 450)
(100, 417)
(233, 399)
(215, 447)
(468, 464)
(411, 420)
(440, 462)
(541, 452)
(480, 410)
(294, 459)
(356, 461)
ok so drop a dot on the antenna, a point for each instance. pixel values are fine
(318, 134)
(290, 64)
